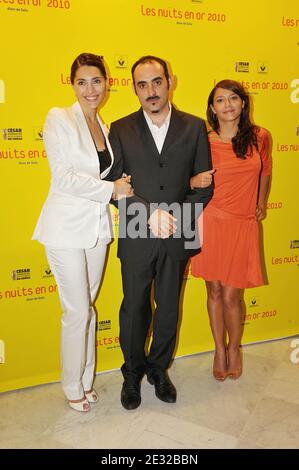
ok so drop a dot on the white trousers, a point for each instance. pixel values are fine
(78, 275)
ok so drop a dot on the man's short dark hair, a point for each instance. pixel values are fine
(149, 59)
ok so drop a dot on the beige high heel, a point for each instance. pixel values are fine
(82, 406)
(92, 396)
(237, 372)
(217, 373)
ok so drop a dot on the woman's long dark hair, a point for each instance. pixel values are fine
(246, 137)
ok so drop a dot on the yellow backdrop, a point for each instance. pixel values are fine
(204, 41)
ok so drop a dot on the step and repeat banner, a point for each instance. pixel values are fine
(204, 42)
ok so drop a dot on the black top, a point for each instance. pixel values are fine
(104, 159)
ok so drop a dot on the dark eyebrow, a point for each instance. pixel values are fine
(84, 79)
(232, 93)
(142, 82)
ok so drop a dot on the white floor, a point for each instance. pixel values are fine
(260, 410)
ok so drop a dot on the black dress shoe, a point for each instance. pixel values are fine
(130, 394)
(164, 388)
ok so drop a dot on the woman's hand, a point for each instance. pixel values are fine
(260, 212)
(202, 180)
(122, 187)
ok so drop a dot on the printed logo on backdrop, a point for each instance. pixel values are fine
(38, 133)
(274, 205)
(104, 325)
(21, 274)
(110, 342)
(185, 17)
(264, 315)
(290, 22)
(281, 260)
(2, 91)
(60, 5)
(254, 302)
(2, 352)
(117, 82)
(121, 61)
(242, 67)
(262, 67)
(12, 133)
(294, 244)
(46, 271)
(295, 94)
(297, 131)
(287, 147)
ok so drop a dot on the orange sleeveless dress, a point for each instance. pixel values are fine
(230, 246)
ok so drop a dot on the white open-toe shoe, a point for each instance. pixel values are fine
(82, 406)
(92, 396)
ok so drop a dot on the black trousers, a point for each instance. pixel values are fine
(139, 273)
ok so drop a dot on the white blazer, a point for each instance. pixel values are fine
(76, 212)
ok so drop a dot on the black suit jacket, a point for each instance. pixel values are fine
(160, 178)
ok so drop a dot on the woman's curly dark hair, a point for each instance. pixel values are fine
(246, 137)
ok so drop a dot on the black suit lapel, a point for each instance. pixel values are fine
(175, 128)
(142, 129)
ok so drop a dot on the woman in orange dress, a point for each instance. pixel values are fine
(230, 257)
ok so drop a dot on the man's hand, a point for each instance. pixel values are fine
(202, 180)
(162, 224)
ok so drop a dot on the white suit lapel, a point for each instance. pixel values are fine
(84, 132)
(87, 139)
(108, 146)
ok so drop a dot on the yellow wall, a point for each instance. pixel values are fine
(204, 41)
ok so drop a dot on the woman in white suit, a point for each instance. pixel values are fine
(75, 224)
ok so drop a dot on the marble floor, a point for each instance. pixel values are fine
(258, 411)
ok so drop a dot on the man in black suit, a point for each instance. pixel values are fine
(161, 148)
